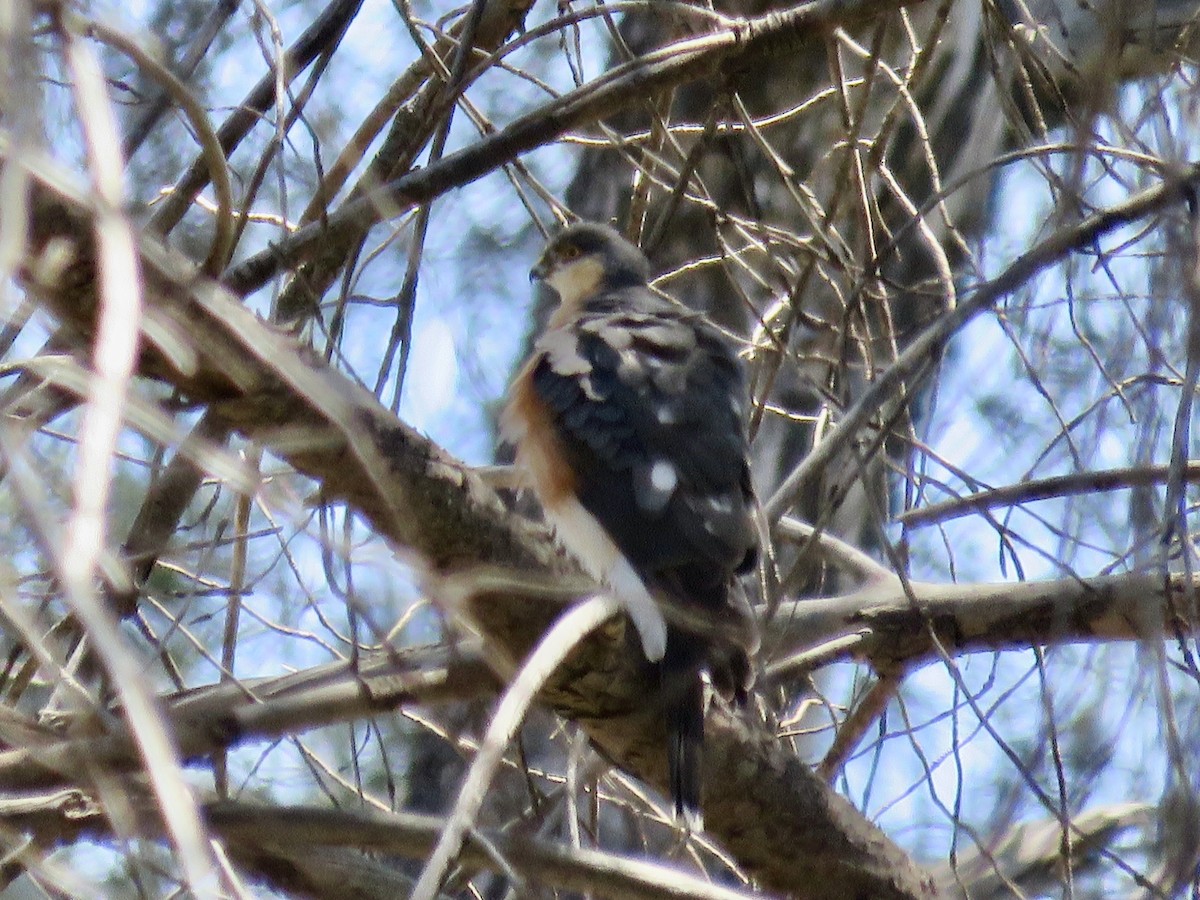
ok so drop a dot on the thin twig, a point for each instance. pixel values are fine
(115, 350)
(1044, 489)
(574, 625)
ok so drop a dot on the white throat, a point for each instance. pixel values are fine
(576, 282)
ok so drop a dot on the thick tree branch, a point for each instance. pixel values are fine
(780, 821)
(897, 628)
(222, 716)
(288, 845)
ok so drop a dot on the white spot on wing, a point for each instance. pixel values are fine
(630, 369)
(654, 485)
(562, 351)
(613, 334)
(663, 477)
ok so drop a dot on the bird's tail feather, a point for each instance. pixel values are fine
(684, 692)
(727, 658)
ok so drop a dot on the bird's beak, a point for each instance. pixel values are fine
(540, 271)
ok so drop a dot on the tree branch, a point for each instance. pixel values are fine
(987, 617)
(722, 52)
(289, 845)
(1032, 490)
(222, 716)
(780, 821)
(917, 360)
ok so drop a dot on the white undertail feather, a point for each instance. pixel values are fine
(591, 545)
(587, 540)
(645, 613)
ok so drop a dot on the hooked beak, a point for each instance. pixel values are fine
(540, 271)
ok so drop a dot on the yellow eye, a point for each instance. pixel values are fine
(569, 252)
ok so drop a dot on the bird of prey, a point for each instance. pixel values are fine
(629, 419)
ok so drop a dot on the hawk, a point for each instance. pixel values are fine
(629, 419)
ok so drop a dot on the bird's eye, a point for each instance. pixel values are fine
(569, 252)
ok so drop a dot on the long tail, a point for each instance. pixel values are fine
(683, 693)
(687, 654)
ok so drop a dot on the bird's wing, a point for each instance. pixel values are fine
(648, 409)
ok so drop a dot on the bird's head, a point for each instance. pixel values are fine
(587, 258)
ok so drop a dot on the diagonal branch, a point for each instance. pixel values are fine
(292, 847)
(219, 717)
(780, 821)
(1053, 487)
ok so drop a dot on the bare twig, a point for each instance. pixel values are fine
(851, 731)
(1043, 489)
(917, 361)
(575, 624)
(729, 49)
(115, 350)
(212, 153)
(325, 28)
